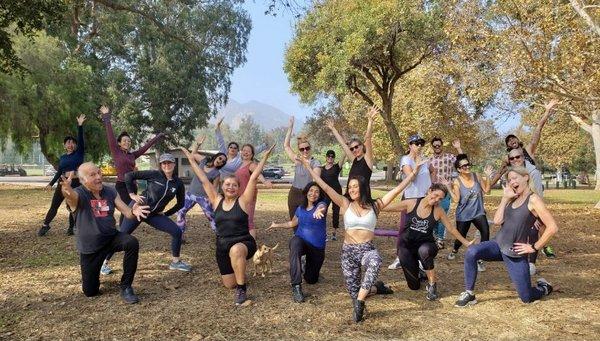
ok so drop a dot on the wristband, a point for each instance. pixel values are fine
(533, 247)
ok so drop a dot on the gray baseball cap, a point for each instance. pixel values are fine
(166, 157)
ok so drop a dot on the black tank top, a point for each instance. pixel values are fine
(360, 167)
(418, 230)
(331, 176)
(528, 157)
(232, 223)
(515, 228)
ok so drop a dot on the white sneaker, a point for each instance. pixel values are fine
(105, 269)
(480, 266)
(395, 264)
(532, 269)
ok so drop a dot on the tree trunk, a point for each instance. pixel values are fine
(51, 157)
(596, 139)
(394, 137)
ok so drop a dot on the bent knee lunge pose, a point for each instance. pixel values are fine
(67, 167)
(120, 151)
(416, 240)
(195, 193)
(301, 176)
(163, 186)
(94, 205)
(360, 218)
(234, 244)
(518, 210)
(467, 190)
(330, 173)
(308, 240)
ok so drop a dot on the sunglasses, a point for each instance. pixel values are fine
(330, 156)
(354, 147)
(305, 149)
(517, 157)
(437, 145)
(466, 165)
(420, 143)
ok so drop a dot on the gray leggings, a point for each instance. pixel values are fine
(354, 256)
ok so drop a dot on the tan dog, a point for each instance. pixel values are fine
(263, 259)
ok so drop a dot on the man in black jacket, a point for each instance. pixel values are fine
(94, 205)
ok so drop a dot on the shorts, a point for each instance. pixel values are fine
(224, 244)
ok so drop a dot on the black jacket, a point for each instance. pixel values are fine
(159, 191)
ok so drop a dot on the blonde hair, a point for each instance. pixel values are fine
(522, 171)
(302, 139)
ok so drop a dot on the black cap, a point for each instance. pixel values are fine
(330, 153)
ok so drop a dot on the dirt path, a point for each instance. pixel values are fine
(40, 294)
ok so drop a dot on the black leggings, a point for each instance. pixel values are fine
(314, 261)
(57, 199)
(481, 223)
(335, 210)
(410, 255)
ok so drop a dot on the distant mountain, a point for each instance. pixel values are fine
(266, 116)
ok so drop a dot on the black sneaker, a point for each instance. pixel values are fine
(432, 293)
(129, 296)
(43, 230)
(297, 293)
(359, 310)
(382, 289)
(70, 231)
(465, 299)
(546, 287)
(240, 296)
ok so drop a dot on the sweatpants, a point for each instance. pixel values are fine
(518, 269)
(410, 255)
(92, 262)
(314, 261)
(189, 202)
(353, 257)
(480, 222)
(57, 199)
(159, 222)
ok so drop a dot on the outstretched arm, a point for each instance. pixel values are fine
(537, 133)
(195, 146)
(110, 133)
(219, 135)
(451, 228)
(286, 144)
(210, 190)
(369, 136)
(289, 224)
(148, 144)
(329, 123)
(391, 195)
(80, 140)
(250, 191)
(337, 198)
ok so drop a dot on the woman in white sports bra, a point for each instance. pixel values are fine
(360, 217)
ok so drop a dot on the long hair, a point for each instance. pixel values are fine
(210, 160)
(365, 198)
(522, 171)
(251, 148)
(305, 193)
(439, 187)
(459, 158)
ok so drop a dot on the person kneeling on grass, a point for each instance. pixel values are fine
(94, 205)
(518, 210)
(308, 240)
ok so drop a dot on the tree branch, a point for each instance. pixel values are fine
(585, 16)
(581, 124)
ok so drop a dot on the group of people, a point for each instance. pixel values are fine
(225, 187)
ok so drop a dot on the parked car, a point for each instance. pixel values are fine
(274, 172)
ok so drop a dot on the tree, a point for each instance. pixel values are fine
(248, 132)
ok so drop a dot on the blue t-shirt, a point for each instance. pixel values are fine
(311, 230)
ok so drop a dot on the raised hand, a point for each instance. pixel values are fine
(80, 119)
(456, 144)
(140, 211)
(373, 111)
(291, 121)
(218, 124)
(329, 123)
(488, 170)
(186, 152)
(104, 110)
(65, 182)
(320, 212)
(200, 140)
(268, 152)
(552, 104)
(508, 192)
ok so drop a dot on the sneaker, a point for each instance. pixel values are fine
(43, 230)
(451, 255)
(181, 266)
(70, 231)
(532, 269)
(395, 264)
(465, 299)
(359, 311)
(105, 269)
(297, 293)
(548, 251)
(480, 266)
(546, 287)
(129, 296)
(382, 289)
(240, 296)
(432, 293)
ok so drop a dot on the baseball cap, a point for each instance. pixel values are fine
(416, 138)
(166, 157)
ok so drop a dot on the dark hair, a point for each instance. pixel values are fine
(508, 137)
(459, 158)
(365, 193)
(251, 147)
(439, 187)
(122, 135)
(211, 160)
(436, 139)
(232, 142)
(69, 138)
(305, 192)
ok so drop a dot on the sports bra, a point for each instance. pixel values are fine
(354, 222)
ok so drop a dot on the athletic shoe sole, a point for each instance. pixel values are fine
(466, 305)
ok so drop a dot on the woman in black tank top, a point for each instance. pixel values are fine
(416, 242)
(359, 153)
(330, 173)
(518, 210)
(235, 245)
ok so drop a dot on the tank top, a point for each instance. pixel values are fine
(360, 167)
(243, 176)
(353, 222)
(301, 175)
(470, 203)
(419, 230)
(232, 223)
(331, 176)
(528, 157)
(311, 230)
(515, 228)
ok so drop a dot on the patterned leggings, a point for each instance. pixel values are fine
(190, 201)
(353, 257)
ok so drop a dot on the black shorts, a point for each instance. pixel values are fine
(224, 244)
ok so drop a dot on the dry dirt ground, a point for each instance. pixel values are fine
(40, 294)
